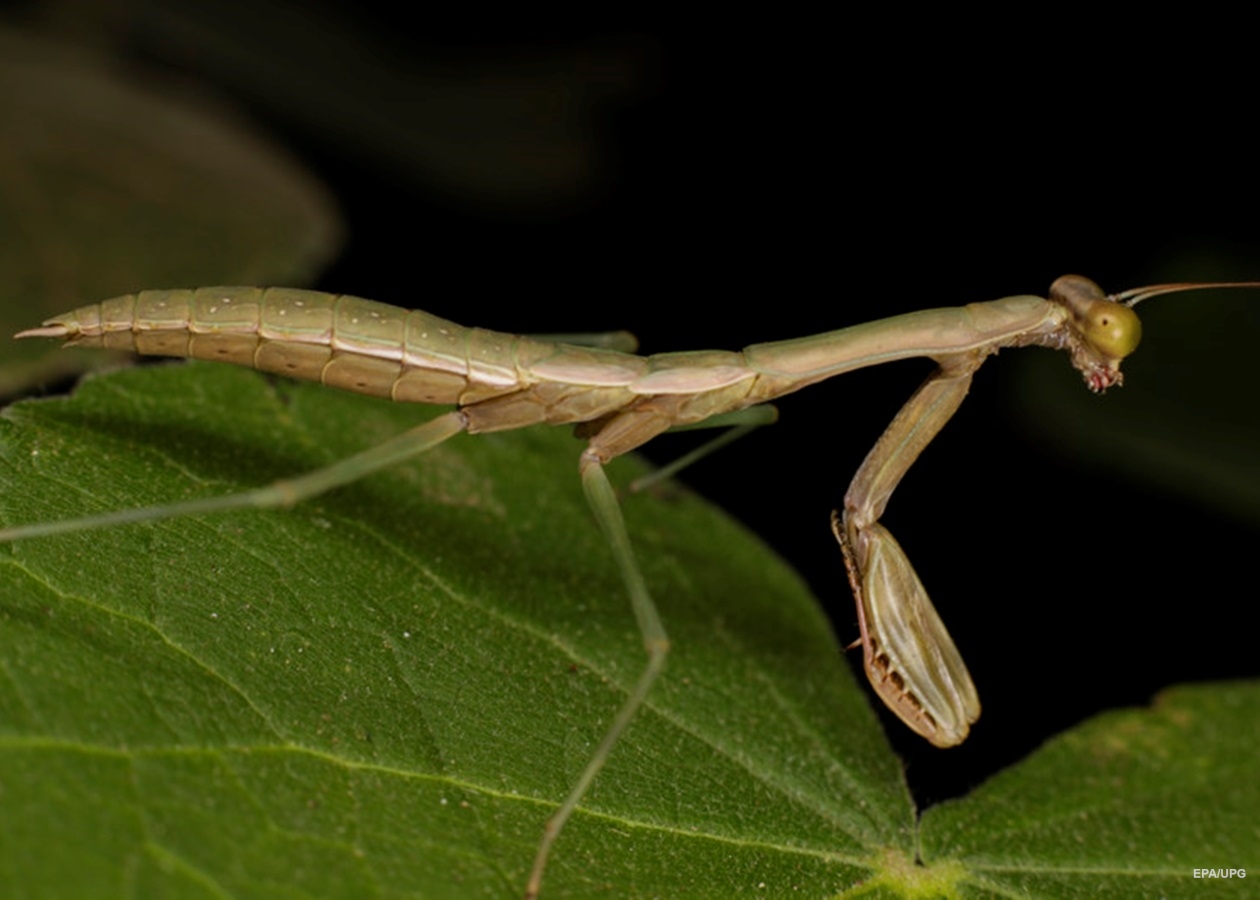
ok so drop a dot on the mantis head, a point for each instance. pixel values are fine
(1103, 331)
(1104, 327)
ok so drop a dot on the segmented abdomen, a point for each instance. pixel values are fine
(346, 342)
(501, 380)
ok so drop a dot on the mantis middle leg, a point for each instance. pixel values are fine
(908, 655)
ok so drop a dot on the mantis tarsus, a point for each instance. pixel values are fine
(619, 402)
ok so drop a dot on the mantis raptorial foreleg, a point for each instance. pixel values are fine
(909, 657)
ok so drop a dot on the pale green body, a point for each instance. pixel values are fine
(505, 381)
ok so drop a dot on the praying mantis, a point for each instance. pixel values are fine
(620, 401)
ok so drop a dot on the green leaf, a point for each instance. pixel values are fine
(385, 691)
(1129, 804)
(388, 689)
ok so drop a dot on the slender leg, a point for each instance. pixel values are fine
(908, 655)
(603, 502)
(743, 422)
(405, 446)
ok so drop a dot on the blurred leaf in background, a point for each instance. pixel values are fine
(110, 185)
(490, 131)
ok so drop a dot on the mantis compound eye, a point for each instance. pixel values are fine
(1112, 329)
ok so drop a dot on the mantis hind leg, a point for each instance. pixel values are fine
(405, 446)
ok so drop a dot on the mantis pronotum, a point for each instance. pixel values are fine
(619, 402)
